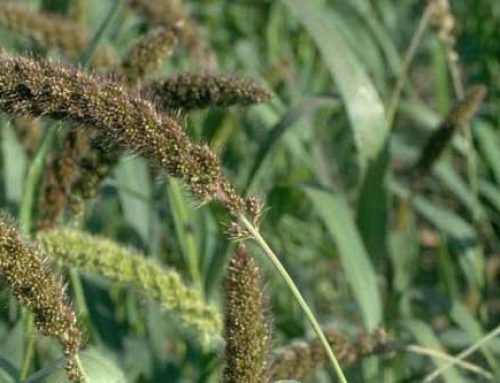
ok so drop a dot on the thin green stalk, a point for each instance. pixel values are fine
(464, 354)
(29, 347)
(408, 59)
(296, 293)
(86, 57)
(33, 180)
(439, 355)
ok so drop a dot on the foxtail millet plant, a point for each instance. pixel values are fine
(199, 90)
(38, 88)
(168, 13)
(458, 117)
(51, 32)
(148, 53)
(25, 271)
(84, 252)
(247, 328)
(42, 88)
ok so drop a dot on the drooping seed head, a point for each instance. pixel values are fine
(40, 88)
(198, 90)
(30, 279)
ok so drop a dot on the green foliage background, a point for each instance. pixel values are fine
(332, 174)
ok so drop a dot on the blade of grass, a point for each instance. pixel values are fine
(183, 228)
(335, 214)
(463, 317)
(364, 107)
(294, 114)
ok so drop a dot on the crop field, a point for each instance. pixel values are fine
(249, 191)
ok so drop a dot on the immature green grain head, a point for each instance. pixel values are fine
(301, 358)
(247, 330)
(74, 249)
(198, 90)
(26, 274)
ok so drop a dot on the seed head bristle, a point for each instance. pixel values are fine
(196, 90)
(41, 88)
(247, 329)
(28, 276)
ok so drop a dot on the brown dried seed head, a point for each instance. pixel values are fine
(34, 284)
(37, 88)
(195, 90)
(247, 330)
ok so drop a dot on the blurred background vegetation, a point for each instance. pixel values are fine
(333, 175)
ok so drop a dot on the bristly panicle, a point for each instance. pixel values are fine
(247, 329)
(196, 90)
(161, 12)
(38, 88)
(51, 32)
(70, 248)
(149, 52)
(301, 358)
(34, 284)
(96, 157)
(460, 115)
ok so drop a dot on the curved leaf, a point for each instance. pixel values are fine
(364, 107)
(335, 213)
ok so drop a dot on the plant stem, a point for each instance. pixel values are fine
(296, 293)
(33, 179)
(29, 346)
(464, 354)
(436, 354)
(86, 57)
(408, 58)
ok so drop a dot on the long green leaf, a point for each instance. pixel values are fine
(489, 144)
(363, 104)
(134, 191)
(336, 215)
(287, 121)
